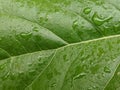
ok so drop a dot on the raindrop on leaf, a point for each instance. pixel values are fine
(99, 20)
(81, 75)
(107, 70)
(87, 10)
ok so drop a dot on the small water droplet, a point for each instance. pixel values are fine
(75, 24)
(53, 84)
(93, 88)
(116, 27)
(90, 88)
(107, 69)
(43, 20)
(26, 35)
(2, 66)
(99, 2)
(6, 76)
(65, 58)
(99, 20)
(103, 74)
(81, 75)
(32, 72)
(87, 10)
(41, 61)
(35, 29)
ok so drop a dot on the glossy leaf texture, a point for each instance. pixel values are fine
(59, 45)
(89, 65)
(34, 25)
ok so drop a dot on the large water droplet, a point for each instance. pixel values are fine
(87, 10)
(107, 69)
(99, 20)
(81, 75)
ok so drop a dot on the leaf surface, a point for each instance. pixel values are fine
(59, 45)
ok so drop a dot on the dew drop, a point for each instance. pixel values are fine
(93, 88)
(35, 29)
(75, 24)
(65, 58)
(99, 20)
(87, 10)
(41, 61)
(103, 74)
(32, 72)
(116, 27)
(43, 20)
(6, 76)
(29, 64)
(107, 70)
(53, 84)
(81, 75)
(26, 35)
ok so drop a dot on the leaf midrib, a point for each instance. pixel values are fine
(72, 44)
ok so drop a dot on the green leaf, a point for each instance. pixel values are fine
(59, 45)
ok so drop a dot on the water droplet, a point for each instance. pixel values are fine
(87, 10)
(75, 24)
(107, 70)
(81, 75)
(43, 20)
(116, 27)
(32, 72)
(93, 88)
(99, 2)
(41, 61)
(53, 84)
(99, 20)
(90, 88)
(6, 76)
(26, 35)
(35, 29)
(2, 66)
(103, 74)
(65, 58)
